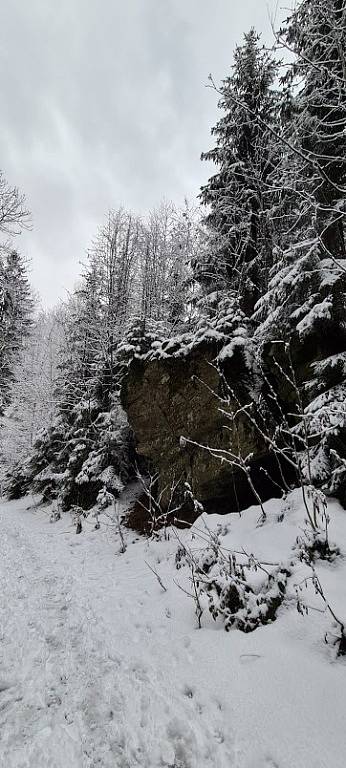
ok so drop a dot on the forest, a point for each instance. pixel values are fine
(198, 366)
(256, 269)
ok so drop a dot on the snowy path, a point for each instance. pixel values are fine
(100, 668)
(81, 679)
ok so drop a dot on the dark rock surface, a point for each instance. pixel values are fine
(166, 399)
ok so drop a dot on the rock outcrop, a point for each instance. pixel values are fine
(167, 399)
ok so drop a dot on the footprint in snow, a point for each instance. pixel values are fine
(249, 658)
(219, 736)
(140, 672)
(53, 699)
(5, 685)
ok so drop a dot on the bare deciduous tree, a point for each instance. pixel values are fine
(14, 215)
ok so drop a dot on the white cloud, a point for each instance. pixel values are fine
(103, 104)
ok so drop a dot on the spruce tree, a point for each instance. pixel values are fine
(16, 317)
(308, 281)
(316, 32)
(238, 218)
(305, 301)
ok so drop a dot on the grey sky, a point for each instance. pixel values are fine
(103, 104)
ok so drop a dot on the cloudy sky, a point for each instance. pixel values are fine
(103, 103)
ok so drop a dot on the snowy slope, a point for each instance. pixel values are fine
(99, 666)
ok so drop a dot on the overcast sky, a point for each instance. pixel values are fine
(103, 103)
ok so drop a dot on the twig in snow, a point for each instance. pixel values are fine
(157, 576)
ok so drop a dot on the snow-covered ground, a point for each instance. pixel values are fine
(100, 667)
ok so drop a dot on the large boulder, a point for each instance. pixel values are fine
(167, 399)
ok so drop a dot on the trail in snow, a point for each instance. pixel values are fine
(81, 676)
(100, 668)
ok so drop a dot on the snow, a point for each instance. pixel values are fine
(99, 666)
(321, 311)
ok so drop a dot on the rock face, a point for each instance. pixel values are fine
(166, 399)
